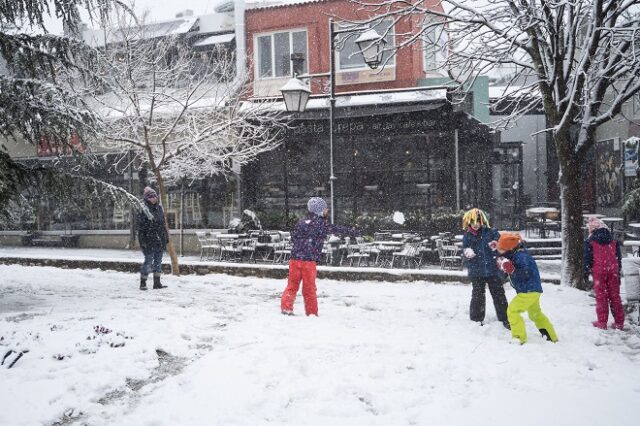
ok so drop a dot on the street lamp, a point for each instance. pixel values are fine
(296, 93)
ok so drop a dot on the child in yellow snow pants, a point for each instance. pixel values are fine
(530, 303)
(523, 273)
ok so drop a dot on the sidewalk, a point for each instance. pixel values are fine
(130, 261)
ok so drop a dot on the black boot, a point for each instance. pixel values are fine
(143, 283)
(156, 283)
(506, 325)
(545, 333)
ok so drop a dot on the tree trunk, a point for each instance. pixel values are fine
(175, 267)
(572, 233)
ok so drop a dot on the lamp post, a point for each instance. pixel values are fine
(296, 94)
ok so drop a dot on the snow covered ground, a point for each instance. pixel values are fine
(214, 350)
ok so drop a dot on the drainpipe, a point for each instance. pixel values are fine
(457, 153)
(241, 45)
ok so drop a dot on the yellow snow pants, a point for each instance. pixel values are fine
(529, 302)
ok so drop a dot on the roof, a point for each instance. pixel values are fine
(268, 4)
(373, 100)
(215, 39)
(96, 37)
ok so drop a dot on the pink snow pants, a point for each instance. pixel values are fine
(606, 287)
(305, 271)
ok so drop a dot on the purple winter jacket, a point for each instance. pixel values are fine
(309, 234)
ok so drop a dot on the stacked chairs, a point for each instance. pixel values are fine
(357, 251)
(450, 257)
(408, 255)
(209, 245)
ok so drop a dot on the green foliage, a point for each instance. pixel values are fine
(41, 90)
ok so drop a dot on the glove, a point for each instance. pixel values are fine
(505, 265)
(469, 253)
(493, 245)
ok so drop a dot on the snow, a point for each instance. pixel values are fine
(379, 354)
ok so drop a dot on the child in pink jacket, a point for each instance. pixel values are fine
(602, 259)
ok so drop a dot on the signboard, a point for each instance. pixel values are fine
(46, 148)
(631, 157)
(608, 174)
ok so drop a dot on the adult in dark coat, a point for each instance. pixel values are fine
(478, 246)
(152, 236)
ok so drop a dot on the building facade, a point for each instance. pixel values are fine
(395, 146)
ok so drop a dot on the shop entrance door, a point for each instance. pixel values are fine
(507, 187)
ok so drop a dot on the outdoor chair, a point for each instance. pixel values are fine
(208, 245)
(282, 251)
(357, 252)
(248, 249)
(409, 254)
(448, 254)
(230, 248)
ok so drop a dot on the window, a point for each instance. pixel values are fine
(274, 53)
(350, 57)
(434, 47)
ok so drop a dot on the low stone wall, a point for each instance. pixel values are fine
(118, 239)
(276, 272)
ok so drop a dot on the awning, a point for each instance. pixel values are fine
(215, 39)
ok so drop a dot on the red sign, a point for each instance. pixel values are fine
(50, 149)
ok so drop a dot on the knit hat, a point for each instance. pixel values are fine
(149, 193)
(316, 205)
(508, 241)
(595, 223)
(474, 216)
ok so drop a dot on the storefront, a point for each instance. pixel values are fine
(423, 157)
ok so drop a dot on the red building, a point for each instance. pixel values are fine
(392, 150)
(274, 32)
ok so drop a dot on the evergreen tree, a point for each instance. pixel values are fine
(36, 100)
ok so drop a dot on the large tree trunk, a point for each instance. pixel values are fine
(572, 233)
(175, 267)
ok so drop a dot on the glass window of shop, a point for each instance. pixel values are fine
(408, 173)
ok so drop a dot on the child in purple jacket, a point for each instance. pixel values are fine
(308, 238)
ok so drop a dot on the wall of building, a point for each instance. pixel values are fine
(314, 17)
(534, 154)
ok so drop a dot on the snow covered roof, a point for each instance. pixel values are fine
(215, 39)
(96, 37)
(384, 98)
(265, 4)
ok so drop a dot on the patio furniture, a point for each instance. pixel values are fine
(248, 249)
(230, 247)
(450, 257)
(282, 250)
(357, 252)
(208, 244)
(408, 255)
(546, 217)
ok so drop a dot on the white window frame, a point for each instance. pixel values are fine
(364, 66)
(437, 52)
(273, 54)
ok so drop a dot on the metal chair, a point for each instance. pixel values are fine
(448, 254)
(409, 254)
(208, 244)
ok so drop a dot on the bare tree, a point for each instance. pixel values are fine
(578, 60)
(179, 109)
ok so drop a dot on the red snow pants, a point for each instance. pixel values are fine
(606, 287)
(305, 271)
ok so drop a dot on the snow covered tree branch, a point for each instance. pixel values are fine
(577, 60)
(177, 108)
